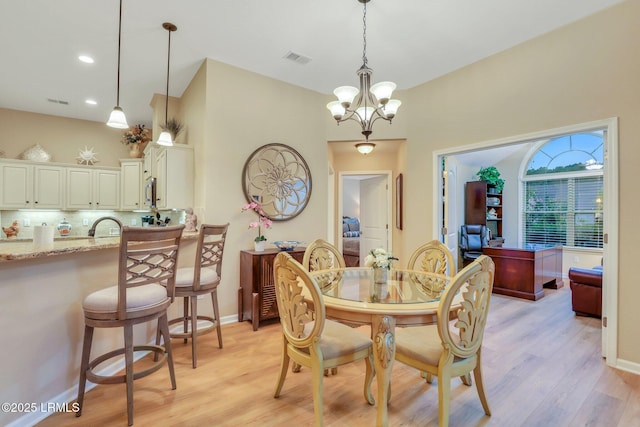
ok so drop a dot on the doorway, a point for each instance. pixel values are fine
(364, 204)
(610, 226)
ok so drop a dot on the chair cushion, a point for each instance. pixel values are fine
(138, 298)
(420, 343)
(184, 276)
(338, 339)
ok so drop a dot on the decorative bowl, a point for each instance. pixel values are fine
(286, 245)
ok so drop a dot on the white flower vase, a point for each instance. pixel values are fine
(260, 245)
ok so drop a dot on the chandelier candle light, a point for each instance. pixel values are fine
(367, 104)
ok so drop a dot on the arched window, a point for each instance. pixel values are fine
(563, 191)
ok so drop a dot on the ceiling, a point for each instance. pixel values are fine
(409, 42)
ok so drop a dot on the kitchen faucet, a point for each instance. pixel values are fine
(92, 230)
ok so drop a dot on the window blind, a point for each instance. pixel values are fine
(565, 211)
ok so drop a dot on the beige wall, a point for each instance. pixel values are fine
(243, 112)
(582, 72)
(62, 138)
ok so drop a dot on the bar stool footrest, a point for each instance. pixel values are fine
(117, 379)
(199, 331)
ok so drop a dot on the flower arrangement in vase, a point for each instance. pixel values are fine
(260, 223)
(135, 137)
(380, 260)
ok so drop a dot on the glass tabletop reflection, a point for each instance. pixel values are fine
(401, 287)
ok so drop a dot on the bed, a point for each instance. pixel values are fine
(351, 241)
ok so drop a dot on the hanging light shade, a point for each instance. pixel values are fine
(117, 118)
(365, 147)
(369, 103)
(165, 136)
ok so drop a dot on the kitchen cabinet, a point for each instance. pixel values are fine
(173, 169)
(27, 186)
(93, 188)
(131, 184)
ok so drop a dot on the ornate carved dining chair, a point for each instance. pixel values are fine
(433, 257)
(322, 255)
(308, 338)
(453, 348)
(201, 279)
(146, 276)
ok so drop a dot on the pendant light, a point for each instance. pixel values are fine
(117, 118)
(165, 137)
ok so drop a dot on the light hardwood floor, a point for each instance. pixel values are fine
(542, 367)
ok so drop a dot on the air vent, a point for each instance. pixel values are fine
(297, 58)
(58, 101)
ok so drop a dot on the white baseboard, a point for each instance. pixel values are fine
(65, 398)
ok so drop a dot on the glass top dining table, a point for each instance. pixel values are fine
(407, 298)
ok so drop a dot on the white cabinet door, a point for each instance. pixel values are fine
(48, 187)
(79, 189)
(161, 181)
(16, 189)
(174, 167)
(93, 189)
(131, 184)
(106, 190)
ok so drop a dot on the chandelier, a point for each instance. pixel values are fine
(369, 103)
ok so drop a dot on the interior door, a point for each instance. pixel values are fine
(450, 209)
(374, 221)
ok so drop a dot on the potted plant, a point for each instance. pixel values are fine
(174, 127)
(263, 221)
(491, 175)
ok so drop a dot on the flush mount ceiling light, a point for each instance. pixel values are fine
(368, 104)
(165, 136)
(365, 147)
(117, 118)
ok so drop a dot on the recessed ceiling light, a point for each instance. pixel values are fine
(90, 102)
(85, 58)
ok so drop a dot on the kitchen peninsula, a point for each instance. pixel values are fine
(41, 314)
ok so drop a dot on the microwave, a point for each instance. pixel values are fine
(150, 193)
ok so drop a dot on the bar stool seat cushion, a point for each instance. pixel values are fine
(184, 276)
(139, 298)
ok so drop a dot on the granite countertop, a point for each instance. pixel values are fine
(18, 249)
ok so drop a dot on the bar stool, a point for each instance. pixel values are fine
(146, 277)
(203, 278)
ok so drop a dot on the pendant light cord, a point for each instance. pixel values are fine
(119, 38)
(166, 101)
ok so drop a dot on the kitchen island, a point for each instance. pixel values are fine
(41, 294)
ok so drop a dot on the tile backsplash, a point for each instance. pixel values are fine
(81, 221)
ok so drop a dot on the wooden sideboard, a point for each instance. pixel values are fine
(524, 271)
(257, 293)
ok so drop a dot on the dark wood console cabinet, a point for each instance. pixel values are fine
(257, 293)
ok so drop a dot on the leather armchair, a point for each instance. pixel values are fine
(586, 291)
(472, 238)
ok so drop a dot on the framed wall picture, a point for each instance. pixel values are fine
(399, 191)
